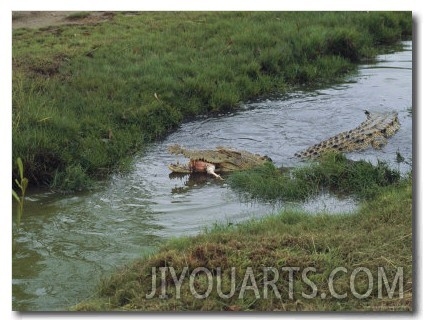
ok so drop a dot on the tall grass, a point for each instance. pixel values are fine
(21, 184)
(87, 97)
(332, 172)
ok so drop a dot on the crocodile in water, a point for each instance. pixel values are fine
(374, 132)
(218, 160)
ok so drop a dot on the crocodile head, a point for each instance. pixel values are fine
(224, 159)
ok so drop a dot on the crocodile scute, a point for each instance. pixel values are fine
(374, 132)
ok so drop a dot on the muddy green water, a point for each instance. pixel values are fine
(66, 243)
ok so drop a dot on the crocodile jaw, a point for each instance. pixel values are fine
(223, 159)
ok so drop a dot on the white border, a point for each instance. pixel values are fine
(6, 7)
(265, 5)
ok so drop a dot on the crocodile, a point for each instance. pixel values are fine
(374, 132)
(220, 159)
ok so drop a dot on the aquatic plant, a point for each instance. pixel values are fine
(22, 184)
(332, 172)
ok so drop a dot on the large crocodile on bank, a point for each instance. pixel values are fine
(219, 160)
(374, 132)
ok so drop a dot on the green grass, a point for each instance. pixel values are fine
(378, 236)
(332, 172)
(86, 98)
(78, 15)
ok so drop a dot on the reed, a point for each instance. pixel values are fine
(22, 184)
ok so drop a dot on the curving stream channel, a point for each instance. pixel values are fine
(66, 243)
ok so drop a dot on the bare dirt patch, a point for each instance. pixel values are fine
(41, 19)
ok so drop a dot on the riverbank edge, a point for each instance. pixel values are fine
(67, 147)
(344, 262)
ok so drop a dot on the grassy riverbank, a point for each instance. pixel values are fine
(332, 172)
(87, 97)
(305, 262)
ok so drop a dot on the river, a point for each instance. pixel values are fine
(67, 242)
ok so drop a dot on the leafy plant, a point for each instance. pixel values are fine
(22, 185)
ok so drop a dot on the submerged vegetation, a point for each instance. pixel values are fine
(86, 97)
(290, 261)
(332, 172)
